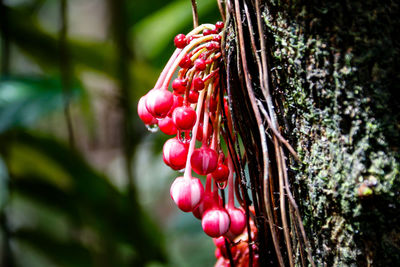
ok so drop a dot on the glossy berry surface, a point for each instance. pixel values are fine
(184, 117)
(204, 160)
(144, 114)
(175, 153)
(193, 96)
(179, 85)
(187, 193)
(221, 173)
(159, 102)
(238, 220)
(167, 126)
(198, 84)
(180, 40)
(200, 64)
(215, 222)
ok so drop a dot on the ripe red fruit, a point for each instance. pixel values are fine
(144, 114)
(185, 62)
(206, 203)
(193, 96)
(178, 102)
(167, 126)
(238, 220)
(184, 118)
(208, 32)
(175, 153)
(179, 86)
(200, 64)
(204, 160)
(159, 102)
(219, 25)
(187, 193)
(221, 173)
(180, 41)
(215, 222)
(198, 84)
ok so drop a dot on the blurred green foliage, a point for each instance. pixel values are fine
(56, 209)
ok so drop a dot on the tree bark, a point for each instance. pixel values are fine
(324, 76)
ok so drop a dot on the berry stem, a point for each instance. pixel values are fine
(166, 68)
(188, 169)
(231, 201)
(182, 54)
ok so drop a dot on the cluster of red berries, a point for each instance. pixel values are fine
(192, 112)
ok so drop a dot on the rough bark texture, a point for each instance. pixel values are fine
(332, 75)
(334, 71)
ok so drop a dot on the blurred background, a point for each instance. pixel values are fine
(82, 181)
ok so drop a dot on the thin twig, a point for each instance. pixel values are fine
(221, 9)
(195, 15)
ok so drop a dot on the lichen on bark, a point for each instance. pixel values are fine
(334, 68)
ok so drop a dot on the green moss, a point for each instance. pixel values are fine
(335, 65)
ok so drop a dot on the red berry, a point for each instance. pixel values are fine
(193, 96)
(221, 173)
(167, 126)
(175, 153)
(187, 193)
(215, 222)
(208, 32)
(178, 102)
(159, 102)
(198, 84)
(185, 62)
(217, 39)
(200, 64)
(238, 221)
(219, 25)
(204, 160)
(180, 40)
(184, 118)
(206, 203)
(144, 114)
(179, 86)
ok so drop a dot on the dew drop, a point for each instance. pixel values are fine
(153, 128)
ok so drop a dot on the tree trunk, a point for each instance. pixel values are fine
(323, 76)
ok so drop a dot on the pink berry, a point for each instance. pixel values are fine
(179, 86)
(206, 203)
(159, 102)
(167, 126)
(187, 193)
(184, 118)
(180, 40)
(200, 64)
(198, 84)
(215, 222)
(221, 173)
(238, 221)
(193, 96)
(144, 114)
(204, 160)
(175, 153)
(219, 25)
(185, 63)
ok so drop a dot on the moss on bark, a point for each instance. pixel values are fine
(334, 65)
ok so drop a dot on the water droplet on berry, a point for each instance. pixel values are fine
(153, 128)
